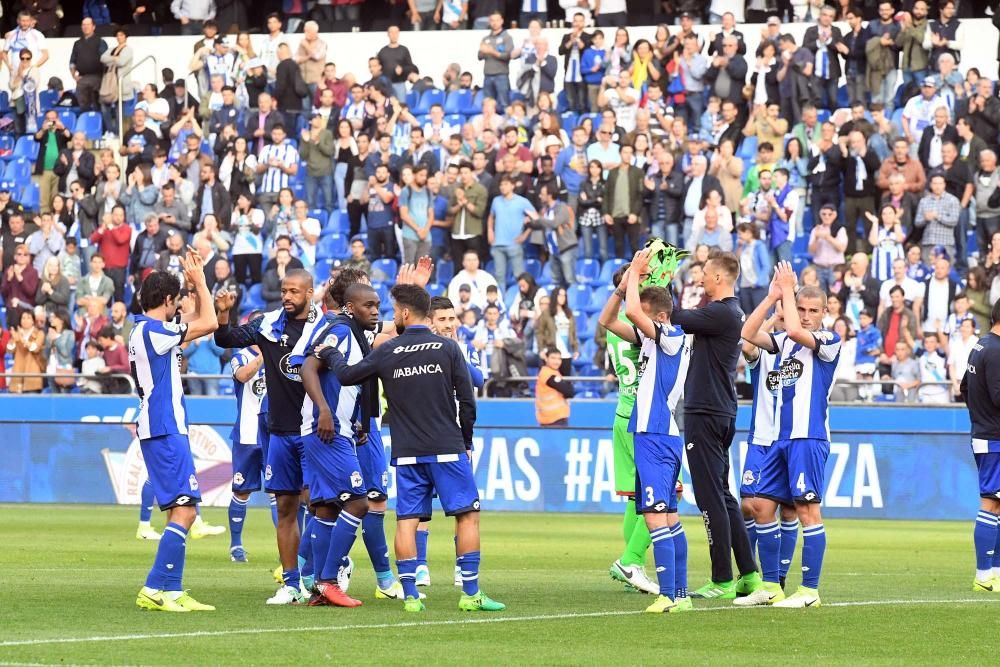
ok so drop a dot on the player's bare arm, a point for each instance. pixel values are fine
(310, 381)
(205, 322)
(633, 309)
(609, 315)
(784, 278)
(755, 330)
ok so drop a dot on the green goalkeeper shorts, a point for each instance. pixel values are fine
(624, 448)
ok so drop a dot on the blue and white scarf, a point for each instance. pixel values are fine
(272, 327)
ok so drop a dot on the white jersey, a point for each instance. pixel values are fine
(249, 396)
(762, 413)
(155, 357)
(803, 381)
(663, 366)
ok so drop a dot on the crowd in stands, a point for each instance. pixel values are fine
(528, 190)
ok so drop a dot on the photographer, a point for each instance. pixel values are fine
(52, 133)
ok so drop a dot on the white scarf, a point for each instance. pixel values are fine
(272, 327)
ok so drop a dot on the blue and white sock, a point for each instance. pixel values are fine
(408, 576)
(320, 532)
(422, 536)
(306, 563)
(680, 541)
(768, 546)
(751, 526)
(789, 537)
(373, 534)
(996, 551)
(469, 562)
(663, 558)
(813, 548)
(273, 502)
(302, 516)
(237, 516)
(168, 568)
(147, 502)
(985, 538)
(345, 530)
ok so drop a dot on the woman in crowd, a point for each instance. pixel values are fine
(588, 213)
(248, 246)
(27, 344)
(524, 310)
(53, 289)
(59, 347)
(619, 56)
(25, 85)
(978, 291)
(845, 364)
(120, 57)
(728, 168)
(220, 239)
(556, 328)
(755, 266)
(19, 286)
(796, 161)
(139, 197)
(886, 238)
(346, 158)
(109, 190)
(238, 170)
(548, 126)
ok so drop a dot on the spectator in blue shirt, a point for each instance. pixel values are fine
(869, 345)
(506, 228)
(203, 358)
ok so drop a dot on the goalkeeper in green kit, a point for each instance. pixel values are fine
(624, 357)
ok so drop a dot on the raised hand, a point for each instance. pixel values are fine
(194, 268)
(785, 276)
(224, 301)
(640, 262)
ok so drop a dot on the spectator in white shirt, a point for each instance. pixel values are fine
(192, 14)
(472, 276)
(277, 162)
(157, 109)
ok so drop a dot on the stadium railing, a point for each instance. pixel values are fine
(76, 376)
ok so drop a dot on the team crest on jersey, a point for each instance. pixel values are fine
(385, 478)
(238, 479)
(748, 477)
(313, 314)
(289, 370)
(259, 387)
(785, 376)
(193, 482)
(356, 480)
(267, 473)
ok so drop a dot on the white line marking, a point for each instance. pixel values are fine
(414, 624)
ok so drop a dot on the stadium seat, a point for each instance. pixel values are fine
(534, 267)
(594, 321)
(6, 146)
(412, 99)
(800, 246)
(18, 171)
(333, 246)
(458, 101)
(26, 147)
(518, 96)
(510, 296)
(545, 277)
(586, 358)
(226, 387)
(569, 119)
(253, 299)
(455, 119)
(843, 101)
(427, 99)
(578, 297)
(445, 272)
(583, 329)
(387, 267)
(383, 294)
(748, 149)
(322, 269)
(91, 124)
(562, 103)
(799, 263)
(822, 115)
(587, 270)
(320, 215)
(435, 289)
(47, 99)
(600, 296)
(474, 105)
(4, 101)
(608, 270)
(30, 197)
(68, 118)
(897, 119)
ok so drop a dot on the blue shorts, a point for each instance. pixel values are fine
(170, 467)
(988, 465)
(751, 470)
(794, 470)
(452, 480)
(657, 466)
(374, 467)
(336, 473)
(286, 468)
(263, 434)
(248, 467)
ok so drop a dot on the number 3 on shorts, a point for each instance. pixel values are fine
(649, 496)
(800, 483)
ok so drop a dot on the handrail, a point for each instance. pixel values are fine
(121, 106)
(77, 376)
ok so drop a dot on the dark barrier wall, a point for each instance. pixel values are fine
(885, 462)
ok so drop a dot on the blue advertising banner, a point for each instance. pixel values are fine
(885, 462)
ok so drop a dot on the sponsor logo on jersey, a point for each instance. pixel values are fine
(289, 370)
(417, 347)
(411, 371)
(785, 376)
(259, 387)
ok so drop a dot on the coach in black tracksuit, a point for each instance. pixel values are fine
(710, 415)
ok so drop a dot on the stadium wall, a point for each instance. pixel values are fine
(892, 462)
(351, 50)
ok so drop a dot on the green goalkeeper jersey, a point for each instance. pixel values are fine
(625, 359)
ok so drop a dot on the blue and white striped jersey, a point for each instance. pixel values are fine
(762, 413)
(275, 179)
(343, 400)
(474, 360)
(803, 380)
(155, 357)
(249, 397)
(663, 366)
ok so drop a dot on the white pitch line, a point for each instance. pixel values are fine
(414, 624)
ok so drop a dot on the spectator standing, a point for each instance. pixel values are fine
(859, 290)
(727, 72)
(472, 276)
(905, 373)
(378, 198)
(937, 215)
(20, 285)
(622, 204)
(987, 186)
(691, 66)
(25, 84)
(900, 162)
(146, 248)
(396, 62)
(825, 41)
(881, 78)
(203, 358)
(112, 240)
(940, 290)
(794, 78)
(861, 168)
(572, 48)
(316, 148)
(25, 36)
(47, 242)
(755, 266)
(886, 237)
(27, 344)
(944, 35)
(96, 286)
(854, 52)
(311, 56)
(561, 239)
(59, 346)
(911, 38)
(555, 329)
(289, 87)
(495, 52)
(192, 14)
(139, 197)
(75, 163)
(827, 245)
(933, 371)
(118, 57)
(86, 67)
(467, 204)
(506, 228)
(277, 162)
(416, 211)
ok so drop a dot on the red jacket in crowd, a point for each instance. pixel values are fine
(113, 245)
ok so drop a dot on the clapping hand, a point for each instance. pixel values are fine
(224, 301)
(418, 274)
(640, 262)
(784, 276)
(194, 268)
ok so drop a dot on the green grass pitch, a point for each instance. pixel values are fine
(893, 592)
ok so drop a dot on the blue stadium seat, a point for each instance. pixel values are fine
(534, 267)
(897, 119)
(569, 120)
(68, 118)
(26, 147)
(18, 171)
(545, 277)
(253, 299)
(799, 263)
(4, 101)
(823, 115)
(600, 296)
(226, 387)
(91, 124)
(47, 99)
(587, 270)
(383, 294)
(319, 214)
(445, 272)
(387, 267)
(578, 296)
(473, 106)
(594, 321)
(427, 99)
(800, 246)
(30, 197)
(517, 95)
(435, 289)
(608, 270)
(748, 149)
(6, 146)
(412, 99)
(322, 269)
(333, 246)
(562, 103)
(458, 101)
(843, 101)
(583, 328)
(586, 358)
(510, 296)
